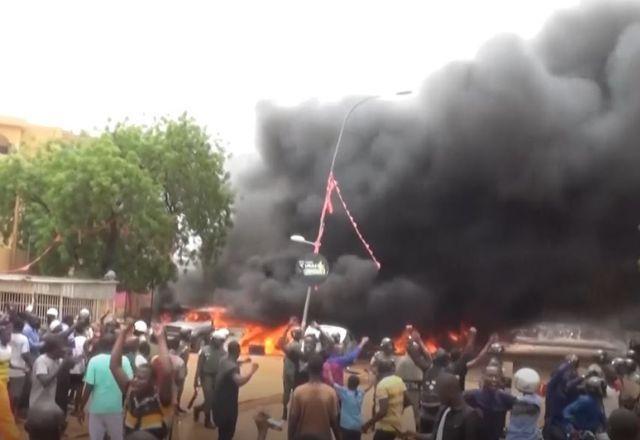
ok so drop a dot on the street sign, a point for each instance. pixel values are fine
(313, 269)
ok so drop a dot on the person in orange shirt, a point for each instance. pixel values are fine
(8, 428)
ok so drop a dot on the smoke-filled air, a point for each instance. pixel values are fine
(505, 189)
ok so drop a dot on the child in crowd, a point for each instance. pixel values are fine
(351, 398)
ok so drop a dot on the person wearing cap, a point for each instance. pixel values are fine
(206, 374)
(52, 315)
(140, 330)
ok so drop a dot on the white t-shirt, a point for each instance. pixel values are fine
(610, 402)
(19, 346)
(43, 365)
(140, 360)
(78, 350)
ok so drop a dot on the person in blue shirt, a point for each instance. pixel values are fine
(337, 362)
(561, 390)
(31, 331)
(492, 402)
(351, 398)
(523, 422)
(586, 413)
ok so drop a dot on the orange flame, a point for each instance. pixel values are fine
(253, 334)
(431, 343)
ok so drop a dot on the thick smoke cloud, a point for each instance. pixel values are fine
(507, 189)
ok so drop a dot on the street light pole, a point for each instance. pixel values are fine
(316, 245)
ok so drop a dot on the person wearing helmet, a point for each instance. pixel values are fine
(586, 414)
(523, 422)
(492, 401)
(292, 349)
(429, 397)
(385, 353)
(560, 392)
(602, 357)
(206, 374)
(411, 367)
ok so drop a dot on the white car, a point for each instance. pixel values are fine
(346, 339)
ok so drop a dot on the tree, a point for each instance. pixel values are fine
(135, 199)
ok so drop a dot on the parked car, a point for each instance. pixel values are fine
(196, 327)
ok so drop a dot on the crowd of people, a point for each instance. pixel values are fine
(602, 401)
(104, 374)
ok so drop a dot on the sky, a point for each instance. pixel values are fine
(75, 64)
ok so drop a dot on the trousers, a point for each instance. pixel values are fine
(101, 424)
(208, 388)
(226, 428)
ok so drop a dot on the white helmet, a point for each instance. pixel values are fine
(84, 313)
(526, 380)
(54, 325)
(52, 312)
(140, 326)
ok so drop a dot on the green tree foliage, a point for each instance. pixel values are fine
(134, 199)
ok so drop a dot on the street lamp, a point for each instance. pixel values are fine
(346, 118)
(299, 238)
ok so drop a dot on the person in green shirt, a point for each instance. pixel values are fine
(105, 410)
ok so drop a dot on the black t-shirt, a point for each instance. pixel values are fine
(225, 398)
(459, 368)
(460, 424)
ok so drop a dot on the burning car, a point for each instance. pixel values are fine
(196, 326)
(340, 335)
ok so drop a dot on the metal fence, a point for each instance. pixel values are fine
(65, 306)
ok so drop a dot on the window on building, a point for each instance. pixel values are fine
(5, 145)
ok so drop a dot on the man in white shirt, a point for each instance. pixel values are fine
(20, 364)
(44, 377)
(77, 372)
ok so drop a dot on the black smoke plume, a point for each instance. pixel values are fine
(506, 189)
